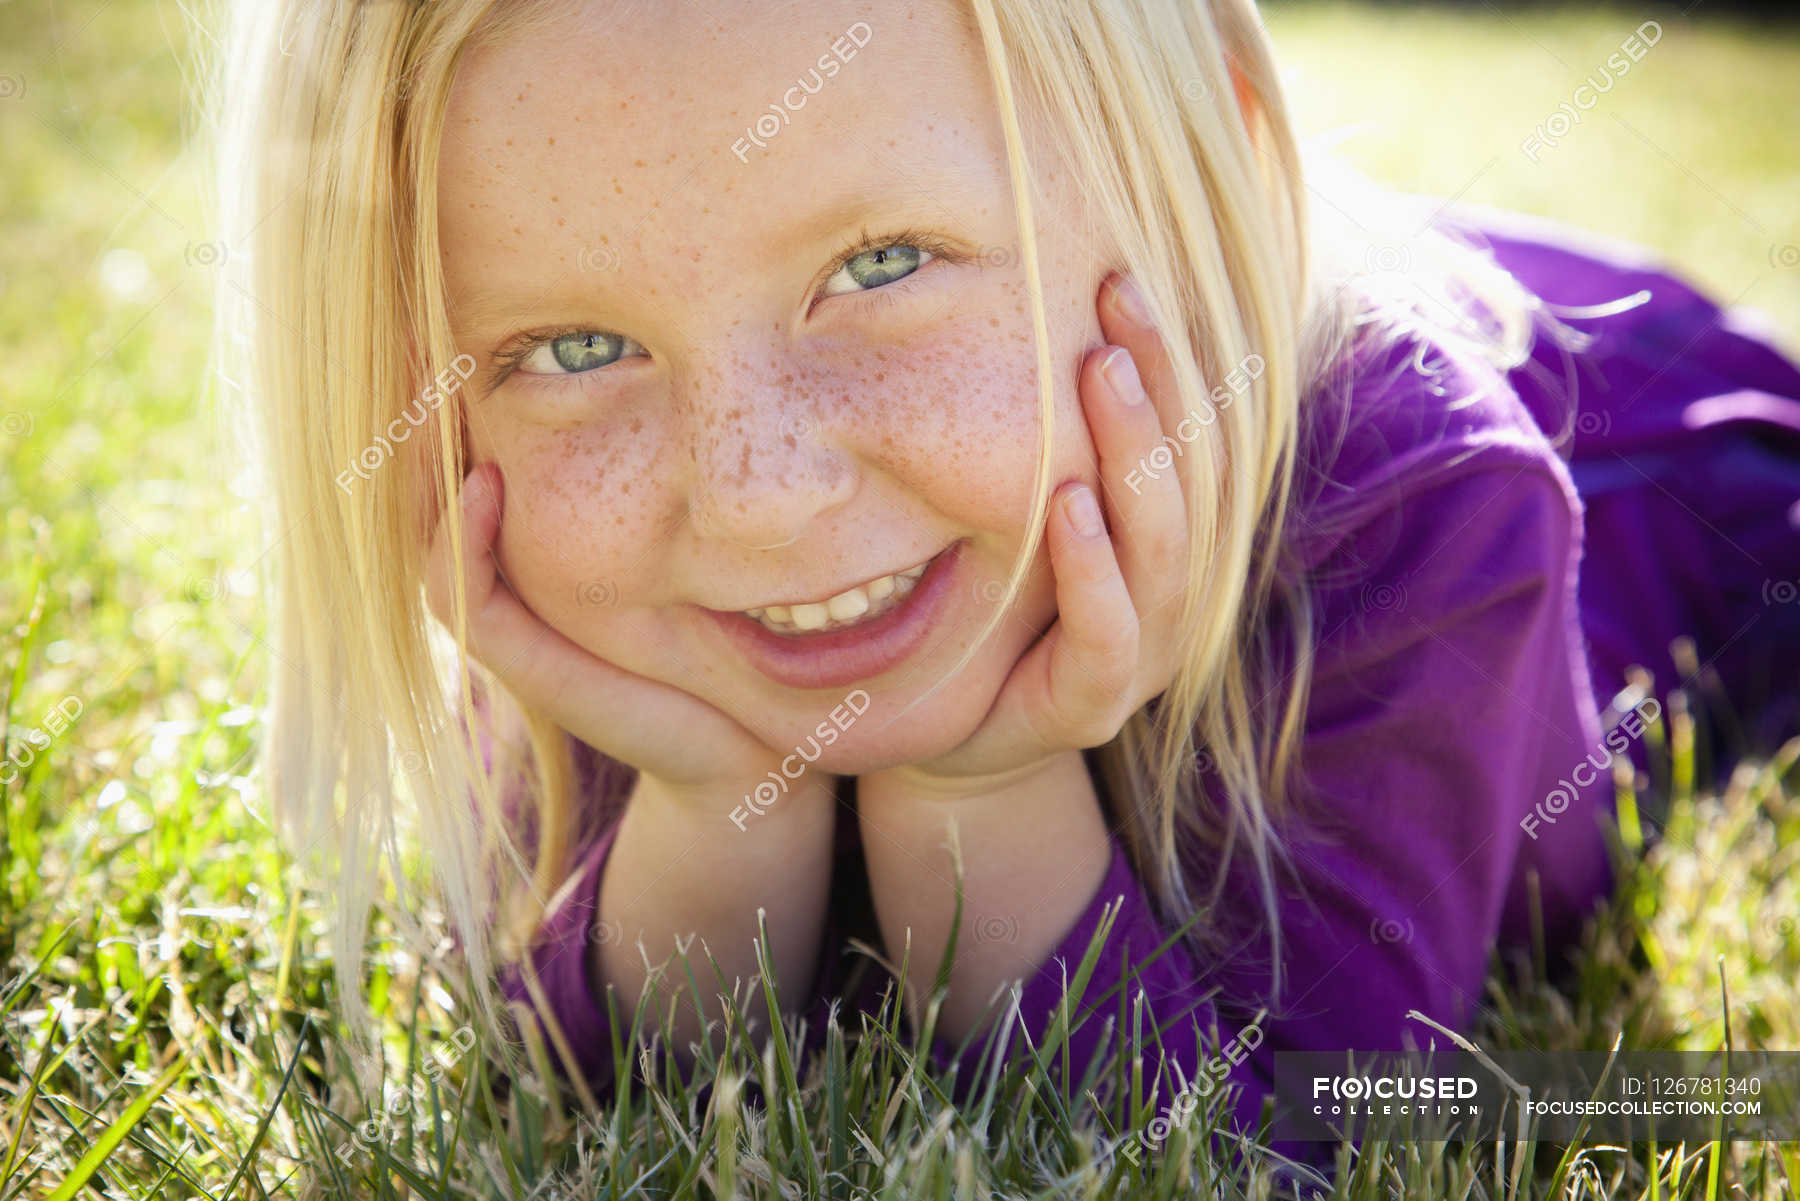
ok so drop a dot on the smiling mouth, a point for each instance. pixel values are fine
(853, 606)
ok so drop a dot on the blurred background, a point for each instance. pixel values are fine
(142, 906)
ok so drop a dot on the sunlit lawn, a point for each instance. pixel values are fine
(156, 974)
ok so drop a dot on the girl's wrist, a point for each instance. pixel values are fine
(1031, 849)
(681, 878)
(1055, 772)
(771, 797)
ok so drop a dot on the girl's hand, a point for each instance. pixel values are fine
(1117, 597)
(681, 741)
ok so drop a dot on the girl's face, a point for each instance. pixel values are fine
(703, 407)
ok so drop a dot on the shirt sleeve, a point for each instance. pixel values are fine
(1449, 696)
(1142, 977)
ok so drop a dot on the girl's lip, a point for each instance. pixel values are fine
(836, 658)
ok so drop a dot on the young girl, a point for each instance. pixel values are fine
(820, 428)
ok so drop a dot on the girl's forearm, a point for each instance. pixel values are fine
(1034, 851)
(682, 868)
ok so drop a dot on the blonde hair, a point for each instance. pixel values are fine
(333, 324)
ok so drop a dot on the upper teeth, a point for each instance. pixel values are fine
(873, 598)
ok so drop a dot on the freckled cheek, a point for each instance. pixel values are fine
(580, 512)
(961, 429)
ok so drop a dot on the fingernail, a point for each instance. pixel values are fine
(1122, 377)
(1130, 302)
(1083, 512)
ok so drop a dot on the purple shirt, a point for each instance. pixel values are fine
(1468, 637)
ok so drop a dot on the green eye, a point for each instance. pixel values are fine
(876, 268)
(573, 354)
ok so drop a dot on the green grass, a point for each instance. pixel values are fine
(165, 1025)
(1689, 152)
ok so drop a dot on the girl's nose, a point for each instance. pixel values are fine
(763, 466)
